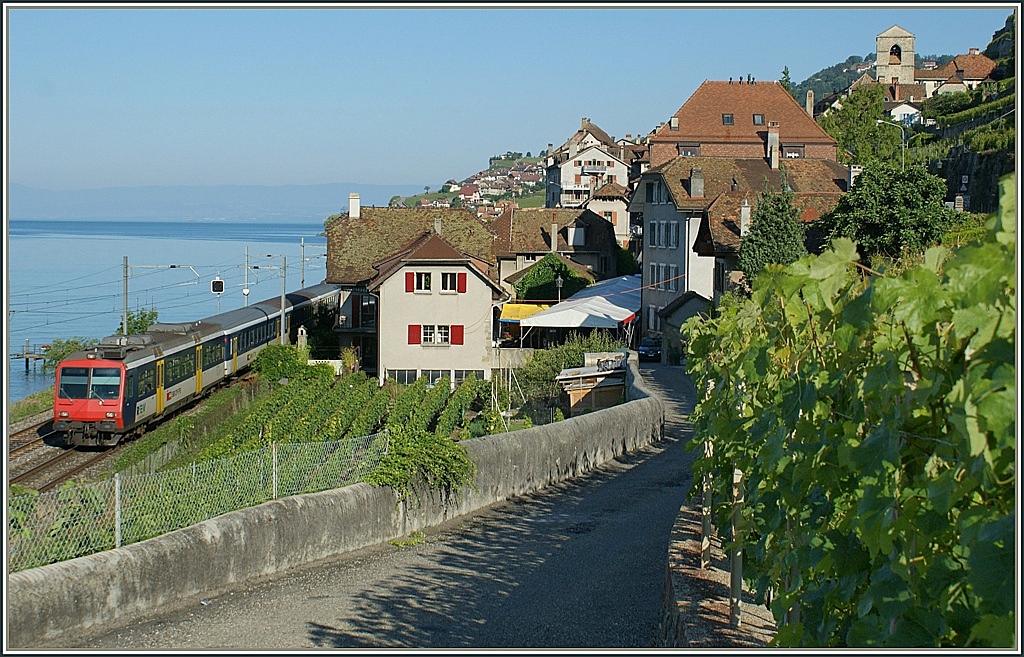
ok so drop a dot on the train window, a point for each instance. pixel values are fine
(147, 382)
(106, 382)
(74, 382)
(129, 389)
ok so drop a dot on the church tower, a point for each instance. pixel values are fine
(894, 56)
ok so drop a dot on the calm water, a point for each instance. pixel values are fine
(66, 278)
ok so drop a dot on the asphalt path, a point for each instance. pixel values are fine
(578, 565)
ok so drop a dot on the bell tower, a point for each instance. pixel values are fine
(894, 56)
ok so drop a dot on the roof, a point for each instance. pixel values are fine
(895, 31)
(611, 190)
(528, 230)
(355, 245)
(700, 117)
(607, 304)
(817, 186)
(974, 66)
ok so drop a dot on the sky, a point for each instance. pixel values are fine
(201, 94)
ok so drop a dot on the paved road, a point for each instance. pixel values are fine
(580, 565)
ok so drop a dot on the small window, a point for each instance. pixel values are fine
(688, 149)
(759, 119)
(423, 281)
(449, 282)
(727, 119)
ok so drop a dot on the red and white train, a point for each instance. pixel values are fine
(116, 390)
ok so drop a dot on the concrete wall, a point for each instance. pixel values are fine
(97, 593)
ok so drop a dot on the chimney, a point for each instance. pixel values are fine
(696, 183)
(809, 103)
(674, 123)
(735, 185)
(353, 206)
(583, 123)
(855, 170)
(572, 148)
(973, 51)
(744, 218)
(554, 234)
(437, 225)
(551, 148)
(773, 144)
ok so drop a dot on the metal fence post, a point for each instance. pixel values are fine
(117, 509)
(705, 513)
(736, 566)
(273, 457)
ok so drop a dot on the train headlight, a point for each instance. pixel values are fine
(110, 414)
(63, 413)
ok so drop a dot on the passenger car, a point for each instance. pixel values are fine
(649, 349)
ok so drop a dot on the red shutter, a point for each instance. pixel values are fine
(414, 334)
(458, 331)
(410, 281)
(462, 282)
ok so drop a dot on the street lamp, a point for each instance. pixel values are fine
(284, 276)
(903, 142)
(558, 283)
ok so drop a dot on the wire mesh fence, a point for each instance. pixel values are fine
(45, 528)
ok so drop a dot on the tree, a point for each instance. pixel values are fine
(890, 211)
(426, 189)
(625, 263)
(139, 321)
(539, 283)
(860, 139)
(776, 234)
(786, 83)
(61, 349)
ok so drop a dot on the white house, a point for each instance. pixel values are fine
(440, 313)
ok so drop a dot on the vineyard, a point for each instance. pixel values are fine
(871, 417)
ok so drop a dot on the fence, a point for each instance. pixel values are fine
(71, 522)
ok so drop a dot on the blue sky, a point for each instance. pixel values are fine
(273, 95)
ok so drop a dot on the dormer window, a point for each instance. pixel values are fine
(759, 119)
(727, 119)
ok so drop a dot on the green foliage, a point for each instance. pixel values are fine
(539, 282)
(890, 212)
(35, 403)
(625, 262)
(139, 321)
(61, 349)
(874, 421)
(279, 361)
(860, 139)
(776, 235)
(537, 375)
(421, 456)
(944, 104)
(785, 81)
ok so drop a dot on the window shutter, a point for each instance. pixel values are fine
(414, 334)
(410, 281)
(458, 331)
(462, 282)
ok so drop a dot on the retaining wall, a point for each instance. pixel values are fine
(99, 592)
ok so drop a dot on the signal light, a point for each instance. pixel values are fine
(217, 286)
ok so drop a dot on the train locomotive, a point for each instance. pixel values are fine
(117, 389)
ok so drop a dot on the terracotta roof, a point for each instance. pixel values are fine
(904, 92)
(816, 184)
(974, 66)
(355, 245)
(700, 118)
(610, 190)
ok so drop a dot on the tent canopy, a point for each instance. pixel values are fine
(607, 304)
(514, 312)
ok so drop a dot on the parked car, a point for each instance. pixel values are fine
(649, 349)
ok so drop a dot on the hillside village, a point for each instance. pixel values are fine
(439, 288)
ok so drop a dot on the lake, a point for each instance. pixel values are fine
(66, 278)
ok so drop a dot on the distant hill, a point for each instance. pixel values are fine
(305, 202)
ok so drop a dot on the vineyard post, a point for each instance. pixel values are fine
(705, 512)
(793, 613)
(705, 521)
(736, 563)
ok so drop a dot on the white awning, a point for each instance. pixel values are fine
(606, 304)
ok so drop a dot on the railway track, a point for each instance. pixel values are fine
(37, 458)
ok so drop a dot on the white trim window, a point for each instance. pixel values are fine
(673, 278)
(422, 281)
(662, 233)
(673, 235)
(661, 275)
